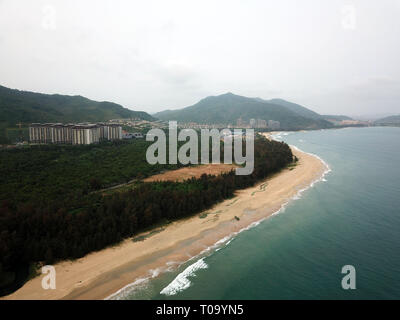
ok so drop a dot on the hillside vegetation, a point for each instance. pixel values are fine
(389, 121)
(70, 219)
(227, 108)
(26, 107)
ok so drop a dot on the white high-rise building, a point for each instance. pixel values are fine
(84, 133)
(274, 125)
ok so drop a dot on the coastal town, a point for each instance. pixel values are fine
(89, 133)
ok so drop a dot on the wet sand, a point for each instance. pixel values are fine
(100, 274)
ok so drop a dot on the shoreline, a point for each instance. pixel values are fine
(105, 273)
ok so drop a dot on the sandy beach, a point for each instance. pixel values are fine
(100, 274)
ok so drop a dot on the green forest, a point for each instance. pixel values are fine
(228, 108)
(17, 106)
(66, 172)
(50, 209)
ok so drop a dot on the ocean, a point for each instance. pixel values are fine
(351, 217)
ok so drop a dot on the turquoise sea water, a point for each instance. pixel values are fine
(352, 218)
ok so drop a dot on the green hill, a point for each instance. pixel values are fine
(227, 108)
(391, 120)
(26, 107)
(300, 110)
(336, 117)
(23, 106)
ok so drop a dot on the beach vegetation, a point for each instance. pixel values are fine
(49, 213)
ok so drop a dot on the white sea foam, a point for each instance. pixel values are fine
(216, 245)
(320, 179)
(279, 135)
(155, 272)
(328, 169)
(182, 282)
(121, 293)
(139, 283)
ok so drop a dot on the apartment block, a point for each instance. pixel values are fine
(82, 133)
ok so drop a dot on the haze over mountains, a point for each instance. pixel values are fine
(227, 108)
(391, 120)
(26, 107)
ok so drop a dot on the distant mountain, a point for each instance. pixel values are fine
(26, 107)
(336, 118)
(300, 110)
(391, 120)
(227, 108)
(305, 112)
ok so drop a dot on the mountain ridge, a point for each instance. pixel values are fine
(228, 107)
(26, 106)
(390, 120)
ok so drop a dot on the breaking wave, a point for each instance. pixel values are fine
(182, 282)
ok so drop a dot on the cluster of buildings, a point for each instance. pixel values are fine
(134, 135)
(349, 122)
(82, 133)
(273, 125)
(194, 125)
(240, 123)
(259, 124)
(140, 124)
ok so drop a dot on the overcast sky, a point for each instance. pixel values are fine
(335, 57)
